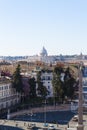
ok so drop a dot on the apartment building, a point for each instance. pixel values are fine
(8, 95)
(46, 78)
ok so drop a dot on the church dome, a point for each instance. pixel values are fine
(43, 52)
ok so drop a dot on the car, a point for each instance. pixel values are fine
(75, 118)
(51, 127)
(45, 125)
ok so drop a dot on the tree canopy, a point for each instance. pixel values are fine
(69, 82)
(32, 84)
(17, 80)
(63, 83)
(57, 83)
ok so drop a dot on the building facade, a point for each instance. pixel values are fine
(46, 78)
(8, 95)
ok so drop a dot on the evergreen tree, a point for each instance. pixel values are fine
(57, 83)
(69, 84)
(32, 84)
(63, 87)
(17, 80)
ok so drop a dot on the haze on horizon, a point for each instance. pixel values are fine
(28, 25)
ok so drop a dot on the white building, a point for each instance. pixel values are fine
(46, 78)
(8, 95)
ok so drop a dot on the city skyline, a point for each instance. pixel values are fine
(27, 26)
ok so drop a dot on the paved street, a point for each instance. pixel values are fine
(24, 125)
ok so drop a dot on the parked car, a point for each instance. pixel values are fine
(51, 127)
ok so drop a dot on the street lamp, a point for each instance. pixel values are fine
(80, 104)
(8, 114)
(31, 114)
(45, 123)
(45, 113)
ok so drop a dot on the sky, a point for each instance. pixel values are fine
(28, 25)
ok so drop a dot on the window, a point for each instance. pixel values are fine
(85, 96)
(1, 105)
(85, 89)
(48, 87)
(85, 73)
(11, 102)
(49, 78)
(6, 104)
(2, 94)
(43, 78)
(6, 87)
(15, 101)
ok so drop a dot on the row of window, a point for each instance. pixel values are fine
(7, 104)
(5, 93)
(4, 87)
(46, 82)
(46, 78)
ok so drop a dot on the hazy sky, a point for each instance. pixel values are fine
(28, 25)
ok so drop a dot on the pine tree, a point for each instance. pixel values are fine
(69, 83)
(17, 80)
(57, 83)
(32, 84)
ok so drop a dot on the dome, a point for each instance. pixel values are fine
(43, 52)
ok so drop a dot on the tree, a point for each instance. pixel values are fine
(17, 80)
(32, 84)
(63, 83)
(69, 84)
(42, 90)
(57, 83)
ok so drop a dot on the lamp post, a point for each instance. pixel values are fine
(80, 104)
(31, 114)
(8, 114)
(45, 113)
